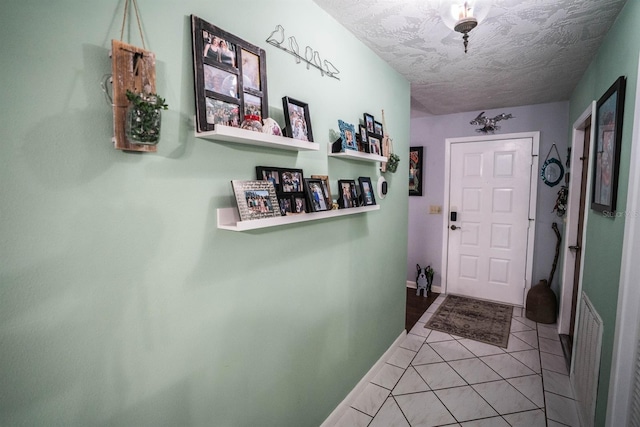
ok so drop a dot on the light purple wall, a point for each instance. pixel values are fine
(425, 230)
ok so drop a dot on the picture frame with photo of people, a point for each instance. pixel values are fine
(297, 119)
(348, 194)
(366, 191)
(326, 187)
(255, 199)
(316, 195)
(371, 134)
(230, 77)
(289, 186)
(347, 136)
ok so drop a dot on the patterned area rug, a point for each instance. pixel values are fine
(483, 321)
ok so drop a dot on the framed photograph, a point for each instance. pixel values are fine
(255, 199)
(286, 207)
(289, 185)
(369, 122)
(415, 171)
(297, 119)
(326, 187)
(374, 145)
(299, 204)
(220, 112)
(230, 77)
(291, 180)
(316, 195)
(348, 196)
(366, 191)
(348, 136)
(269, 174)
(606, 156)
(364, 139)
(377, 128)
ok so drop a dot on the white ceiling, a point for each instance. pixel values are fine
(524, 52)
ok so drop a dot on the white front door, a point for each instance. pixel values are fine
(489, 192)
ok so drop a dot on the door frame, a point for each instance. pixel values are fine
(573, 212)
(533, 196)
(623, 362)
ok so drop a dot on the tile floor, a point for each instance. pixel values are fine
(436, 379)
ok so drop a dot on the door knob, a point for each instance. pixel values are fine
(454, 227)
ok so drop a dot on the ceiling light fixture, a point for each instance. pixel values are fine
(466, 22)
(464, 17)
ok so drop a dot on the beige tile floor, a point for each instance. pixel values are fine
(436, 379)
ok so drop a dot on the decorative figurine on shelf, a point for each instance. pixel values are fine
(424, 279)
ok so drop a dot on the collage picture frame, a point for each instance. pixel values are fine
(289, 188)
(230, 77)
(371, 135)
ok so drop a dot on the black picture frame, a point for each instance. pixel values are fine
(299, 204)
(316, 195)
(363, 139)
(377, 128)
(607, 145)
(366, 191)
(375, 144)
(348, 136)
(347, 194)
(415, 170)
(297, 119)
(327, 187)
(289, 186)
(369, 122)
(269, 174)
(230, 77)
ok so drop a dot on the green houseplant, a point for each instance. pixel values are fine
(143, 117)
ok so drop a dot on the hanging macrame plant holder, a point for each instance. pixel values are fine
(391, 164)
(552, 170)
(136, 127)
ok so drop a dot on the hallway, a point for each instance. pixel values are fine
(435, 379)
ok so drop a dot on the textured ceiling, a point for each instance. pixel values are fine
(524, 52)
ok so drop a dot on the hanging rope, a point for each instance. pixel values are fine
(124, 20)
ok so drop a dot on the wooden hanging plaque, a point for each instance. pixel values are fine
(134, 69)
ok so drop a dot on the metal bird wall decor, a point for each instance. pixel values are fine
(311, 56)
(489, 125)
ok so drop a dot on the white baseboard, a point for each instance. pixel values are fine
(342, 408)
(434, 288)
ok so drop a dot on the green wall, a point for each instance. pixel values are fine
(121, 303)
(617, 56)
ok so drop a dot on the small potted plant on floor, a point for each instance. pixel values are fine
(143, 117)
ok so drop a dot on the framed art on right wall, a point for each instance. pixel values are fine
(415, 171)
(606, 155)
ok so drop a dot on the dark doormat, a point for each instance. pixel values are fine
(484, 321)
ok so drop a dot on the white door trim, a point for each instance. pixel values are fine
(628, 316)
(535, 136)
(573, 211)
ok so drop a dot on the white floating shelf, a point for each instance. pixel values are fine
(357, 155)
(249, 137)
(229, 219)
